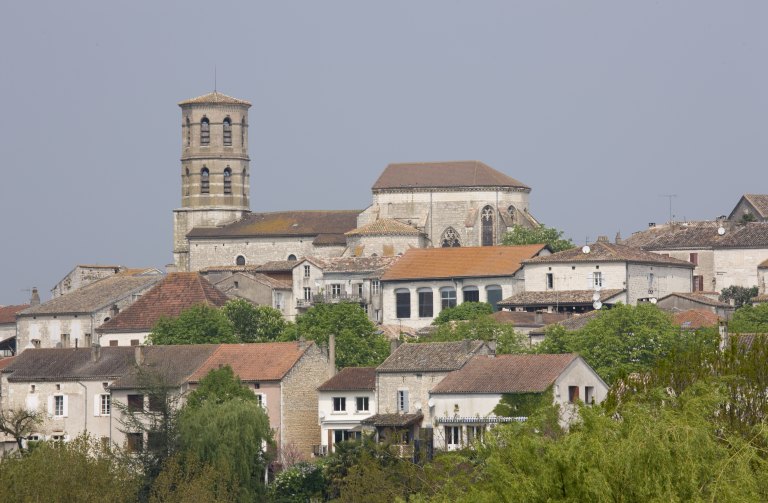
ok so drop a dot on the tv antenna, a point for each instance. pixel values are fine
(669, 196)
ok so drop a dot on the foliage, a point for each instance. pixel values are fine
(556, 340)
(19, 423)
(254, 323)
(522, 404)
(750, 319)
(520, 235)
(81, 470)
(747, 218)
(463, 311)
(484, 328)
(219, 386)
(301, 482)
(357, 342)
(185, 479)
(740, 295)
(200, 324)
(230, 435)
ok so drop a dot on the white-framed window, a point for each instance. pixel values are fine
(339, 404)
(57, 405)
(453, 436)
(361, 403)
(375, 285)
(402, 400)
(306, 271)
(447, 298)
(102, 404)
(475, 433)
(360, 290)
(307, 293)
(336, 289)
(261, 399)
(597, 279)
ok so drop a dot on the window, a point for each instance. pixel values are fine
(493, 293)
(589, 395)
(475, 433)
(134, 342)
(189, 133)
(156, 403)
(242, 134)
(345, 435)
(227, 181)
(205, 183)
(336, 290)
(292, 257)
(403, 303)
(597, 279)
(447, 298)
(86, 340)
(205, 131)
(242, 181)
(486, 220)
(650, 282)
(550, 281)
(471, 294)
(58, 438)
(64, 340)
(105, 404)
(402, 400)
(307, 293)
(453, 436)
(375, 286)
(58, 406)
(227, 132)
(694, 258)
(186, 182)
(511, 211)
(362, 404)
(426, 303)
(573, 393)
(134, 442)
(360, 290)
(135, 403)
(698, 283)
(113, 343)
(450, 238)
(306, 271)
(240, 260)
(339, 404)
(261, 399)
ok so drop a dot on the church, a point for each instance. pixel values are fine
(414, 205)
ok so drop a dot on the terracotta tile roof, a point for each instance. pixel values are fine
(268, 361)
(506, 374)
(351, 379)
(696, 318)
(608, 252)
(464, 262)
(449, 174)
(4, 362)
(393, 420)
(763, 264)
(701, 235)
(215, 97)
(430, 356)
(277, 266)
(98, 294)
(697, 297)
(528, 319)
(372, 265)
(760, 202)
(553, 297)
(177, 292)
(284, 223)
(8, 313)
(385, 227)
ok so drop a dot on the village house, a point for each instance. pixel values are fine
(464, 402)
(8, 328)
(168, 298)
(82, 275)
(677, 302)
(71, 320)
(425, 281)
(751, 207)
(344, 401)
(581, 279)
(762, 283)
(571, 323)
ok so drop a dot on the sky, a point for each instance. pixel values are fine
(602, 107)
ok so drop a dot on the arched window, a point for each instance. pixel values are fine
(242, 180)
(240, 260)
(470, 294)
(227, 132)
(227, 181)
(205, 131)
(186, 183)
(189, 133)
(205, 182)
(450, 238)
(291, 257)
(242, 133)
(486, 220)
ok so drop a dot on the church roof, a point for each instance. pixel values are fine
(449, 174)
(215, 97)
(283, 223)
(385, 227)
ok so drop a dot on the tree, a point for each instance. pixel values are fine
(200, 324)
(20, 423)
(463, 311)
(184, 479)
(219, 386)
(750, 319)
(357, 342)
(740, 295)
(254, 323)
(520, 235)
(484, 328)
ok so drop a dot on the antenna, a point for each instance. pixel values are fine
(214, 78)
(669, 196)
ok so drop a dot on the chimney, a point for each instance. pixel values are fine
(35, 299)
(139, 354)
(618, 239)
(95, 352)
(332, 355)
(302, 342)
(171, 268)
(394, 344)
(602, 239)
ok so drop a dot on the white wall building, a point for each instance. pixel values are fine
(344, 401)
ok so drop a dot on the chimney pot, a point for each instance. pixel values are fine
(95, 352)
(35, 299)
(139, 355)
(602, 239)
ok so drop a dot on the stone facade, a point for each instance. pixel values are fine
(83, 275)
(382, 246)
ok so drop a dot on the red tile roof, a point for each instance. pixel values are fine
(696, 318)
(4, 362)
(268, 361)
(506, 374)
(464, 262)
(351, 379)
(177, 292)
(8, 313)
(449, 174)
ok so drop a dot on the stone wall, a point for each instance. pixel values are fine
(382, 246)
(656, 281)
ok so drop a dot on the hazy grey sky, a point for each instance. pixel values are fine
(601, 107)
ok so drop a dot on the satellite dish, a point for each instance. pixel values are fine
(721, 230)
(597, 304)
(431, 402)
(653, 300)
(595, 297)
(585, 249)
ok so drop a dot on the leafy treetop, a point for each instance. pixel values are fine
(520, 235)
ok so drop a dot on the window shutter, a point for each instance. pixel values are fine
(264, 400)
(66, 406)
(96, 405)
(50, 405)
(405, 401)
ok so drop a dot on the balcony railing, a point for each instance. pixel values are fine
(330, 298)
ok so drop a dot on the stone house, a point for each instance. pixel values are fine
(8, 328)
(83, 275)
(384, 237)
(71, 320)
(464, 401)
(753, 206)
(344, 401)
(404, 381)
(425, 281)
(762, 283)
(175, 293)
(677, 302)
(572, 280)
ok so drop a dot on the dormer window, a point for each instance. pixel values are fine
(205, 131)
(227, 132)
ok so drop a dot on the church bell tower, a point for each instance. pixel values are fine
(214, 167)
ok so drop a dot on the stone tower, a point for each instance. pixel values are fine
(214, 167)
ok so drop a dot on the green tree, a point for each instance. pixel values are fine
(200, 324)
(463, 311)
(484, 328)
(556, 340)
(184, 479)
(301, 482)
(520, 235)
(749, 319)
(19, 423)
(219, 386)
(740, 295)
(254, 323)
(357, 342)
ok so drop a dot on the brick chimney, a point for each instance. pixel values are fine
(35, 299)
